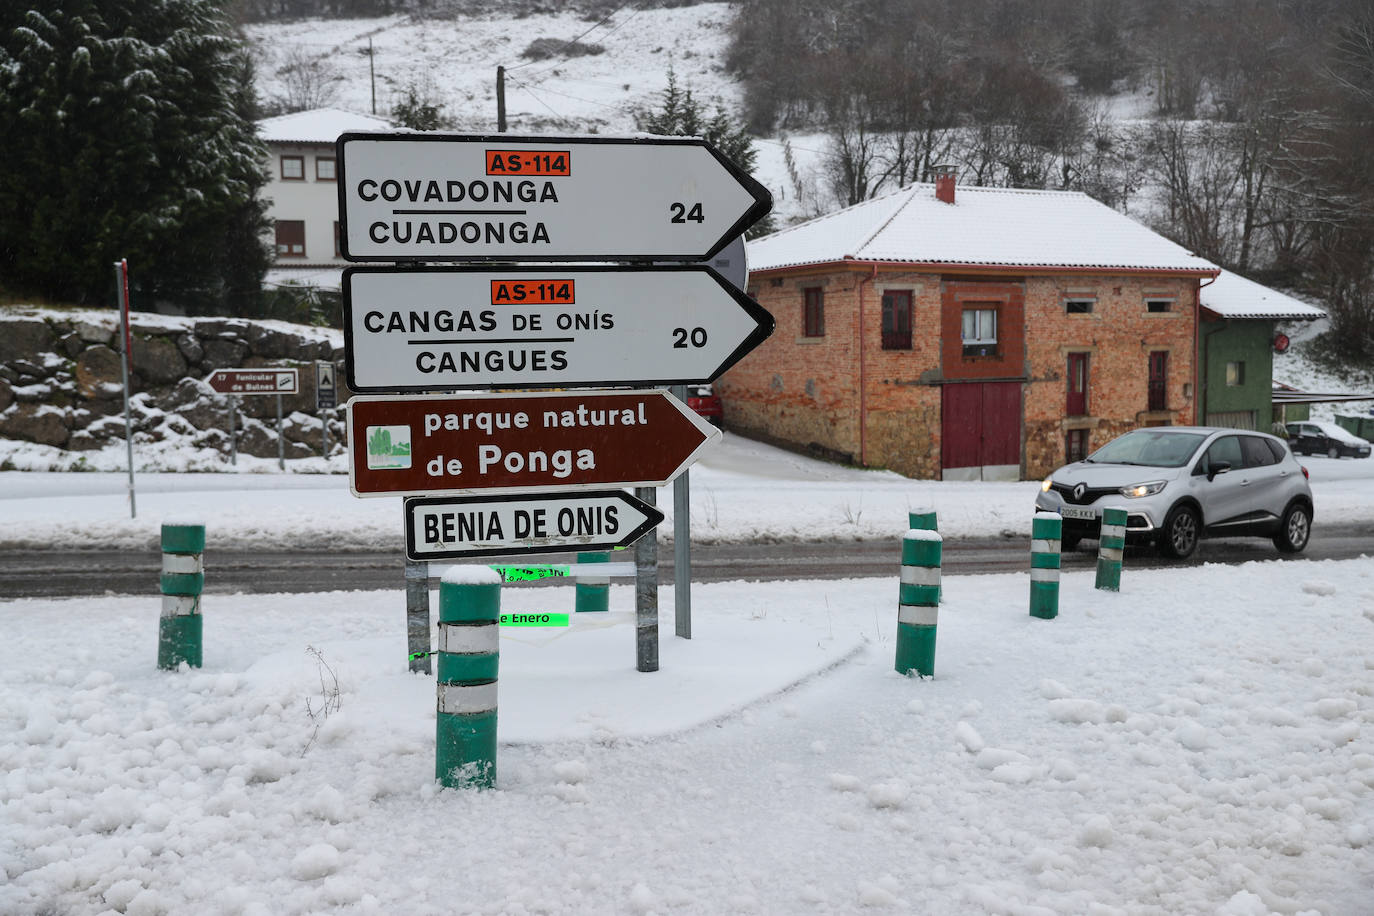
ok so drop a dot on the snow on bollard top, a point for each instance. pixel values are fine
(922, 534)
(1041, 513)
(184, 521)
(470, 575)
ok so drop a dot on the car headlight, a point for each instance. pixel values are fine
(1045, 485)
(1137, 490)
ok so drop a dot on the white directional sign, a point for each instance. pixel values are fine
(445, 528)
(441, 329)
(459, 197)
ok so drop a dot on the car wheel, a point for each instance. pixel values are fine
(1333, 452)
(1178, 538)
(1294, 529)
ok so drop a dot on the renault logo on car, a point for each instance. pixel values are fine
(1078, 492)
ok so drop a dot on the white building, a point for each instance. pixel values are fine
(303, 194)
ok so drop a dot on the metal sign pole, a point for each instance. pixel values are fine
(646, 593)
(417, 615)
(233, 438)
(122, 292)
(281, 439)
(682, 545)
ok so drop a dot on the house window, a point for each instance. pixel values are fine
(1159, 306)
(980, 331)
(813, 312)
(897, 320)
(324, 168)
(1078, 306)
(1235, 374)
(1075, 445)
(293, 168)
(1077, 404)
(290, 238)
(1158, 390)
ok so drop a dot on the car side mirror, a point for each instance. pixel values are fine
(1218, 467)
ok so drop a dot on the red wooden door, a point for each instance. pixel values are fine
(981, 425)
(961, 407)
(1077, 405)
(1159, 377)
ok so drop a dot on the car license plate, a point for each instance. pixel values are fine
(1077, 512)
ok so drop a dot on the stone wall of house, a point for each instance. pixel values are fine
(61, 381)
(809, 392)
(1118, 335)
(795, 390)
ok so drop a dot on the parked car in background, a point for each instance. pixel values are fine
(1182, 483)
(1318, 437)
(707, 403)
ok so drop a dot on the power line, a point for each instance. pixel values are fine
(593, 28)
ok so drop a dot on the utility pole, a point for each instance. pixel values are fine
(501, 99)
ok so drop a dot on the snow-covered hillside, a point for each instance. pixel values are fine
(453, 62)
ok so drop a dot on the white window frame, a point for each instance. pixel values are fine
(983, 322)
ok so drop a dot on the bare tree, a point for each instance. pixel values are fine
(308, 80)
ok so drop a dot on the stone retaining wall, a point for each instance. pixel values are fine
(61, 381)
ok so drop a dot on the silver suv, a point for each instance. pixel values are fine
(1180, 483)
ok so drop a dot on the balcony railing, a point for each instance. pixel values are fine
(896, 340)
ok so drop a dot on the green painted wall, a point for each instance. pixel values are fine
(1246, 341)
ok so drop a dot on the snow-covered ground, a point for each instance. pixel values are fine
(1201, 742)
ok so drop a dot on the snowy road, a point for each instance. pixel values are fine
(57, 574)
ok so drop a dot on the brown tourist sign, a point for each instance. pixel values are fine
(520, 442)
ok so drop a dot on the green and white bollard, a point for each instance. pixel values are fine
(924, 520)
(1110, 547)
(918, 602)
(183, 578)
(469, 652)
(593, 592)
(1046, 529)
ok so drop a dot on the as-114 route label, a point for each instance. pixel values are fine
(464, 197)
(451, 328)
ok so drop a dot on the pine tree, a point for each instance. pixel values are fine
(128, 134)
(681, 116)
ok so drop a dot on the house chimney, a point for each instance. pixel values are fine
(944, 183)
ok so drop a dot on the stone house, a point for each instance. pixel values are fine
(965, 333)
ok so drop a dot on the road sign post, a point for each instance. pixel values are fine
(418, 197)
(563, 441)
(646, 594)
(461, 197)
(235, 382)
(453, 328)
